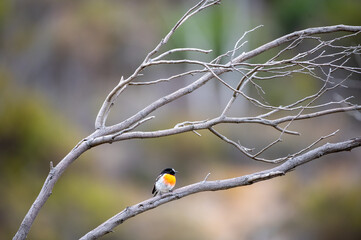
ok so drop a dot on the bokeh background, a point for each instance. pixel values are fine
(58, 61)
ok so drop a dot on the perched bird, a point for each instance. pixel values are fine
(165, 182)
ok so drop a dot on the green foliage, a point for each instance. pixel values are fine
(296, 14)
(292, 14)
(29, 130)
(345, 12)
(5, 6)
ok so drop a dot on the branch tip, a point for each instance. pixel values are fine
(205, 179)
(277, 68)
(197, 133)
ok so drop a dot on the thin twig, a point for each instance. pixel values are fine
(205, 179)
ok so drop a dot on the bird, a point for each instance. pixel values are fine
(165, 182)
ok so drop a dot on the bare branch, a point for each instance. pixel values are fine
(317, 114)
(237, 46)
(204, 186)
(241, 148)
(194, 10)
(133, 127)
(180, 50)
(205, 179)
(313, 144)
(192, 72)
(108, 103)
(46, 190)
(308, 62)
(205, 78)
(206, 124)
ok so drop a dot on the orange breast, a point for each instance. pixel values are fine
(169, 179)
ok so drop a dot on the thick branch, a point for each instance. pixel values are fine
(46, 190)
(122, 130)
(206, 124)
(203, 186)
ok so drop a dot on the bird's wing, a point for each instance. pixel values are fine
(154, 190)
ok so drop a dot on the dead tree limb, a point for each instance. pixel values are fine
(217, 185)
(316, 62)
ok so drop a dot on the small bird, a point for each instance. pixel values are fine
(165, 182)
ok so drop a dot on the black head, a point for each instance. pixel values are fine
(169, 171)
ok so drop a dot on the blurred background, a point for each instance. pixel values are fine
(59, 60)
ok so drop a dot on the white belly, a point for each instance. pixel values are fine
(162, 187)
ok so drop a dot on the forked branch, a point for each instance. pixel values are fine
(316, 62)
